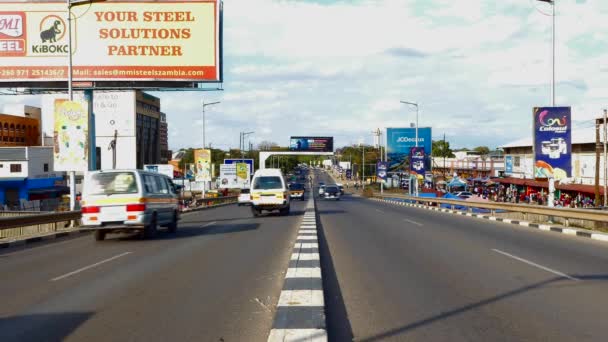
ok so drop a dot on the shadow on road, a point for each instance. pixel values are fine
(478, 304)
(189, 232)
(338, 325)
(41, 327)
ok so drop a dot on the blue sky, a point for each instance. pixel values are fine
(340, 68)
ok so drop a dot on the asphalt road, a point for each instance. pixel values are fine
(406, 274)
(217, 279)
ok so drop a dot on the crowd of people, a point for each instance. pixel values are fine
(508, 194)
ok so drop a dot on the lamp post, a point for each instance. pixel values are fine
(242, 142)
(552, 3)
(204, 106)
(415, 179)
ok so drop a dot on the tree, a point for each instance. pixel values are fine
(442, 149)
(267, 145)
(483, 151)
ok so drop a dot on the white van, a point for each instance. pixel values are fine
(128, 200)
(269, 192)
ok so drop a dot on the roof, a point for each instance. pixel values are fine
(579, 136)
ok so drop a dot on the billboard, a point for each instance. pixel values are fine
(399, 143)
(349, 174)
(417, 159)
(70, 135)
(202, 160)
(246, 161)
(381, 168)
(148, 40)
(311, 144)
(234, 176)
(552, 142)
(508, 165)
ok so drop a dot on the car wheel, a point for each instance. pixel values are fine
(256, 212)
(172, 227)
(284, 211)
(151, 229)
(100, 235)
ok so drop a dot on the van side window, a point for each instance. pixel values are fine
(150, 184)
(161, 185)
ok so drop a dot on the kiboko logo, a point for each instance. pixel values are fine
(52, 30)
(552, 124)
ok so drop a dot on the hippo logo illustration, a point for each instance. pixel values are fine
(52, 29)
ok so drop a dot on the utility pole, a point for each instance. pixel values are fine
(363, 169)
(605, 158)
(598, 147)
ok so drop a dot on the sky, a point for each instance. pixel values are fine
(340, 68)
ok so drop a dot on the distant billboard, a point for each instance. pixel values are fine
(552, 142)
(234, 176)
(164, 169)
(399, 144)
(70, 136)
(311, 144)
(417, 161)
(381, 168)
(508, 165)
(236, 160)
(131, 40)
(202, 160)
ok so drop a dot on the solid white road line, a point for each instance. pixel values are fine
(413, 222)
(90, 266)
(536, 265)
(209, 224)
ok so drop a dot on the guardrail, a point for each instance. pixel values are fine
(566, 213)
(38, 223)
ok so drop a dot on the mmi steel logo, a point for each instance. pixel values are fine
(12, 34)
(52, 30)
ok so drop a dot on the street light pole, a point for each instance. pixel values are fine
(204, 123)
(416, 105)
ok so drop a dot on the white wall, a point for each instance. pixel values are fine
(5, 169)
(126, 150)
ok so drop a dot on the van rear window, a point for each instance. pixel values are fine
(267, 183)
(112, 183)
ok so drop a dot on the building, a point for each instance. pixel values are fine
(469, 164)
(583, 164)
(165, 153)
(26, 175)
(20, 126)
(127, 127)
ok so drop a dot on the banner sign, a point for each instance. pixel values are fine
(236, 161)
(349, 174)
(509, 165)
(552, 142)
(70, 136)
(164, 169)
(401, 140)
(202, 159)
(381, 169)
(417, 158)
(311, 144)
(147, 40)
(234, 176)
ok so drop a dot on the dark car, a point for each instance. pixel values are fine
(296, 190)
(331, 192)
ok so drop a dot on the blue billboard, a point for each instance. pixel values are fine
(381, 168)
(508, 165)
(417, 161)
(236, 161)
(400, 142)
(552, 142)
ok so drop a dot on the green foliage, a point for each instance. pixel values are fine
(442, 149)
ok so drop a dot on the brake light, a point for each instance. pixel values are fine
(90, 210)
(136, 207)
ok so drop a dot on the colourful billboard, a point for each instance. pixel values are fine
(508, 165)
(399, 143)
(311, 144)
(417, 161)
(148, 40)
(381, 169)
(70, 136)
(552, 142)
(202, 160)
(236, 161)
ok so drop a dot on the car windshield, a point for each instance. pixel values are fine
(296, 186)
(331, 189)
(112, 183)
(267, 183)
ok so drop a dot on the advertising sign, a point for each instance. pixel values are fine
(202, 160)
(311, 144)
(401, 140)
(552, 142)
(349, 174)
(417, 158)
(236, 161)
(70, 136)
(147, 40)
(381, 168)
(234, 176)
(509, 165)
(164, 169)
